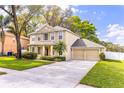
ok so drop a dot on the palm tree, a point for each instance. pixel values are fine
(60, 47)
(3, 23)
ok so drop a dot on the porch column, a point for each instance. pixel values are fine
(29, 48)
(51, 50)
(43, 50)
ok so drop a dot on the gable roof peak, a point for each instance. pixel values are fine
(85, 43)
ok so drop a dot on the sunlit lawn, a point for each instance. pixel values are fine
(20, 64)
(106, 74)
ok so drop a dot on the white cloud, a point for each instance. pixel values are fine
(115, 32)
(63, 7)
(83, 11)
(75, 10)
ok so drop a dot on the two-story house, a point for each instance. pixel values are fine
(43, 40)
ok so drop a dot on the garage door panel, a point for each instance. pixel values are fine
(92, 54)
(78, 54)
(85, 54)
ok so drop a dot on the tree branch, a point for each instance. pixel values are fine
(7, 11)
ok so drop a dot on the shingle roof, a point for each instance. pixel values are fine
(85, 43)
(56, 28)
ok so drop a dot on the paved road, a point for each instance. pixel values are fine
(57, 75)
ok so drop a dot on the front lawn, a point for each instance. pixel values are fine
(105, 74)
(20, 64)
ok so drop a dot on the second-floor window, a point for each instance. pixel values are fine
(33, 38)
(60, 35)
(45, 36)
(52, 36)
(39, 38)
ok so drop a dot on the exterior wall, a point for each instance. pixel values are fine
(45, 42)
(70, 38)
(10, 43)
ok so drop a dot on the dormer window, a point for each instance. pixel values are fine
(60, 35)
(52, 36)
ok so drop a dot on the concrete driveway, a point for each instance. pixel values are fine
(57, 75)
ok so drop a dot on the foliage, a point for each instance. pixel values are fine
(53, 58)
(73, 23)
(54, 15)
(84, 29)
(20, 16)
(50, 58)
(3, 22)
(60, 47)
(105, 74)
(112, 47)
(20, 64)
(29, 55)
(88, 31)
(102, 56)
(59, 58)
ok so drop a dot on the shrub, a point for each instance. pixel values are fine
(29, 55)
(53, 58)
(102, 56)
(59, 58)
(50, 58)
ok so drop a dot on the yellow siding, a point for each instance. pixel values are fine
(69, 39)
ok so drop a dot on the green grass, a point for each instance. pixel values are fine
(106, 74)
(20, 64)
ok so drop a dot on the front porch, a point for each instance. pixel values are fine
(43, 50)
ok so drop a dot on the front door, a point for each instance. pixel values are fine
(46, 51)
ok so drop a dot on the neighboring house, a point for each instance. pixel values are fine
(10, 43)
(43, 40)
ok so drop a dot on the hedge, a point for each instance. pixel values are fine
(29, 55)
(53, 58)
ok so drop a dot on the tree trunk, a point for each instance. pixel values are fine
(2, 41)
(19, 55)
(17, 35)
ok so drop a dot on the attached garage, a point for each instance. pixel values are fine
(83, 49)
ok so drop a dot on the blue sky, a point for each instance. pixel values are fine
(109, 20)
